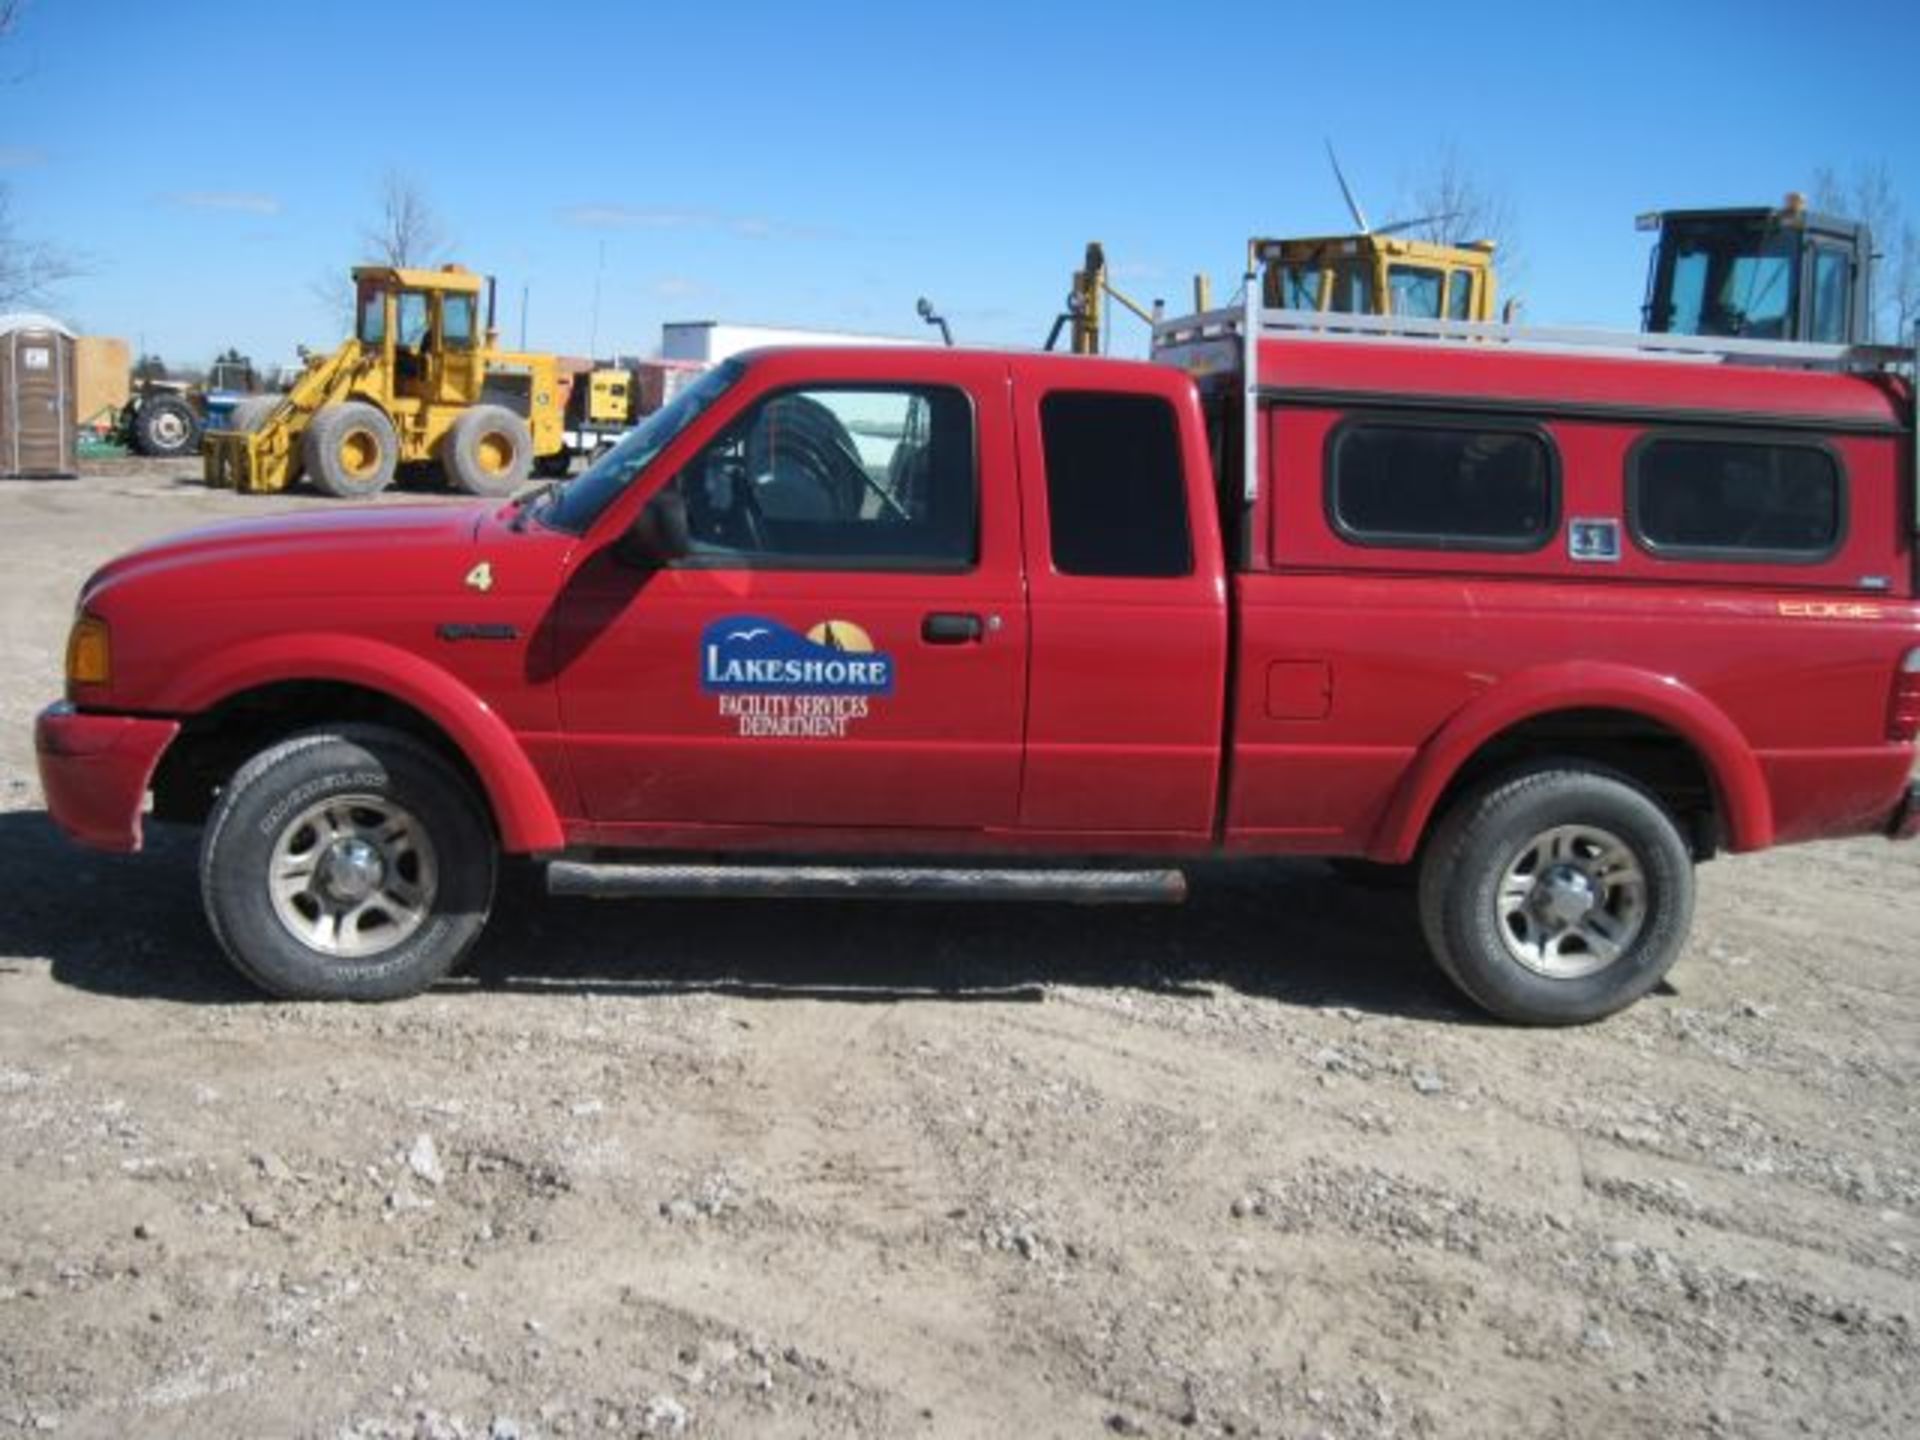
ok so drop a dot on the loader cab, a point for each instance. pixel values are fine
(425, 325)
(1374, 274)
(1758, 274)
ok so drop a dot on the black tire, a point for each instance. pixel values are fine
(488, 450)
(427, 896)
(1592, 819)
(349, 450)
(165, 427)
(249, 414)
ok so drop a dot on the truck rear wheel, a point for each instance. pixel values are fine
(350, 450)
(348, 864)
(488, 450)
(1557, 895)
(165, 426)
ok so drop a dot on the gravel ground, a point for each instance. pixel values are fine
(1246, 1168)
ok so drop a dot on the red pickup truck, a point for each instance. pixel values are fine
(1543, 625)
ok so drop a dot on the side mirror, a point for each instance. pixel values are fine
(658, 535)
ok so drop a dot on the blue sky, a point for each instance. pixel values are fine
(825, 165)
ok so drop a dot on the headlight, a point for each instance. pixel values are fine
(89, 658)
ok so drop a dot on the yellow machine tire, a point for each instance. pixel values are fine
(350, 450)
(250, 414)
(247, 416)
(488, 450)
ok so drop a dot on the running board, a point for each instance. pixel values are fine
(861, 882)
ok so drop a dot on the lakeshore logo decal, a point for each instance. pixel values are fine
(772, 681)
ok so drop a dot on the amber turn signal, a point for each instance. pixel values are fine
(88, 656)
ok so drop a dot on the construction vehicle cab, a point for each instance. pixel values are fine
(429, 322)
(1376, 274)
(1759, 274)
(419, 381)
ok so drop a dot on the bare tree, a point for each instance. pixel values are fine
(1869, 195)
(1453, 206)
(409, 232)
(30, 271)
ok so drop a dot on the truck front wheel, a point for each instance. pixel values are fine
(1557, 895)
(347, 864)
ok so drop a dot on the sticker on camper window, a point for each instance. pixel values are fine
(774, 682)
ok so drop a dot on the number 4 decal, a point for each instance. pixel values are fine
(480, 577)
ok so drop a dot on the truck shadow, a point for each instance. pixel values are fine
(1287, 931)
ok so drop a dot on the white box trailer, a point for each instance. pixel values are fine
(707, 342)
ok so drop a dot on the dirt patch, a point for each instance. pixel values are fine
(696, 1168)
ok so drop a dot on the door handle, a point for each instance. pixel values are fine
(949, 628)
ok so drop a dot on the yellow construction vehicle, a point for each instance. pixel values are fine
(419, 381)
(1370, 273)
(1373, 273)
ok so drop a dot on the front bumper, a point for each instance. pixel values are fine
(95, 769)
(1905, 823)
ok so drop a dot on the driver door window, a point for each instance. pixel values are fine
(838, 479)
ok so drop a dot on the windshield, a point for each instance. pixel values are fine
(1349, 294)
(1729, 280)
(1415, 291)
(579, 503)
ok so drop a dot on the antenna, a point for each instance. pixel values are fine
(599, 269)
(1353, 205)
(1392, 227)
(1397, 226)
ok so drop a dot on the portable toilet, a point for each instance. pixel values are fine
(37, 430)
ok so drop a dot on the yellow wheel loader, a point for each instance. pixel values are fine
(419, 381)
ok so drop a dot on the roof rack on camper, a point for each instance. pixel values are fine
(1226, 342)
(1255, 320)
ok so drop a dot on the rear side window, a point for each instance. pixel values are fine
(1442, 487)
(1720, 499)
(1116, 494)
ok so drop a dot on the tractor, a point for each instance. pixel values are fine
(418, 383)
(163, 419)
